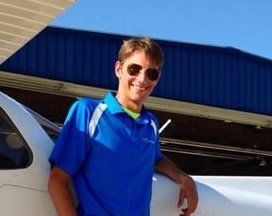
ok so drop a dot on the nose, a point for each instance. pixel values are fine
(142, 76)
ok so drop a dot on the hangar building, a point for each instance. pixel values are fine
(219, 98)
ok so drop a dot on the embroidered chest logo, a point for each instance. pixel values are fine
(148, 141)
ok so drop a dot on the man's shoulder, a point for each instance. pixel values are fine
(149, 114)
(84, 105)
(88, 102)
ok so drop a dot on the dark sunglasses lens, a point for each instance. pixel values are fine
(152, 74)
(134, 69)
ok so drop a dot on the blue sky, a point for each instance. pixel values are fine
(243, 24)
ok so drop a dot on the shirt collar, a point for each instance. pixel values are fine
(115, 107)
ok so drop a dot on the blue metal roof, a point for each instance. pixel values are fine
(216, 76)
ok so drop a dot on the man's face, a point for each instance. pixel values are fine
(135, 77)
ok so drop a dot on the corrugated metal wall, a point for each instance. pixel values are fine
(218, 77)
(222, 77)
(74, 56)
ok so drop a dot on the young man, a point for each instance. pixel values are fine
(110, 147)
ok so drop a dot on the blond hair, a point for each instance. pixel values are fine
(149, 47)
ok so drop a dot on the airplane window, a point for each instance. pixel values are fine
(14, 151)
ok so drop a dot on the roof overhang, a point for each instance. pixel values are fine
(21, 20)
(56, 87)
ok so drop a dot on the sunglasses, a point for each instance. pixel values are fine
(151, 73)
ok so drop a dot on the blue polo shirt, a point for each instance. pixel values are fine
(110, 157)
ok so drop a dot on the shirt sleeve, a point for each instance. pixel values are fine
(73, 142)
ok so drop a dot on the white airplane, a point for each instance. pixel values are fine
(26, 142)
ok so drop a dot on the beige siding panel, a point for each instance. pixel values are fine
(12, 38)
(16, 30)
(24, 23)
(21, 20)
(57, 3)
(8, 46)
(18, 12)
(4, 52)
(33, 6)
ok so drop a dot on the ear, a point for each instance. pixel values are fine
(118, 69)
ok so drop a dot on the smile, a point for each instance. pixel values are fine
(139, 87)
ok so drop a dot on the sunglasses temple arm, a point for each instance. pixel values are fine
(165, 125)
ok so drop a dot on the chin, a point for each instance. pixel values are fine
(138, 98)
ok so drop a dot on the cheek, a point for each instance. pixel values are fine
(130, 80)
(125, 81)
(153, 84)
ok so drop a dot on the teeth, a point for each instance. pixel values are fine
(139, 88)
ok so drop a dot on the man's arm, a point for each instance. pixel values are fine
(58, 187)
(166, 167)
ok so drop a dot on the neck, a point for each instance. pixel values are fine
(129, 104)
